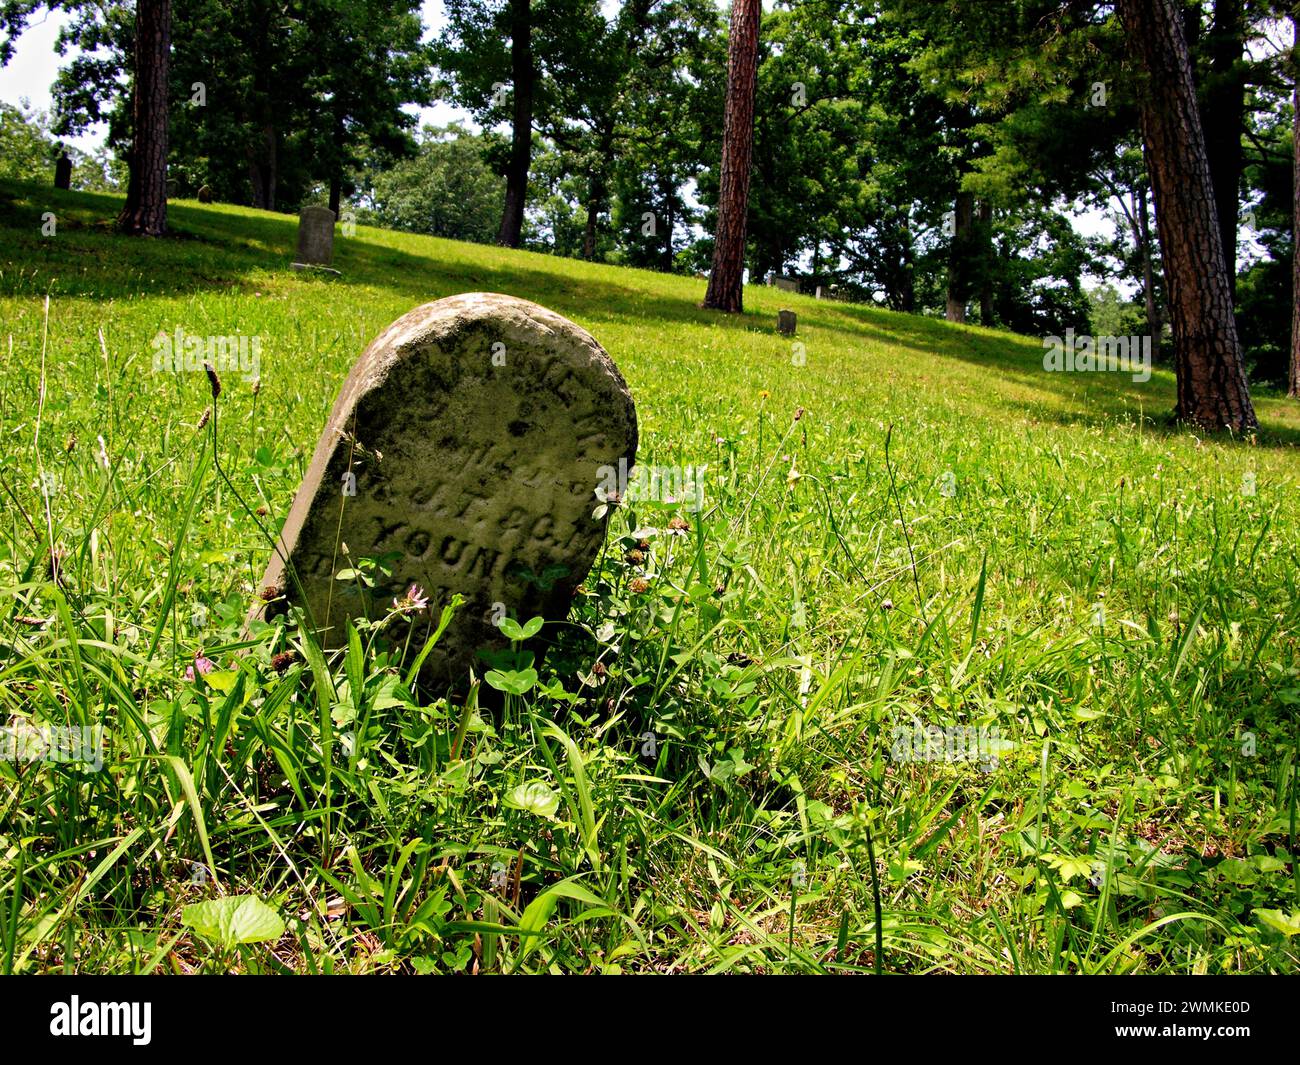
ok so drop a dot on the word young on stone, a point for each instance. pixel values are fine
(1086, 354)
(669, 485)
(473, 478)
(183, 353)
(77, 1018)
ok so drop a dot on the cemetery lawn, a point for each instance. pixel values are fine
(917, 535)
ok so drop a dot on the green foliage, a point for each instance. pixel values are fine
(268, 101)
(234, 920)
(27, 152)
(446, 190)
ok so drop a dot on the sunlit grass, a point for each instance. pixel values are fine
(1042, 556)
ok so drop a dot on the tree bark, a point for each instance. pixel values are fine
(521, 137)
(263, 168)
(1293, 381)
(1224, 115)
(959, 258)
(596, 198)
(984, 216)
(726, 278)
(1212, 390)
(145, 211)
(670, 221)
(1154, 323)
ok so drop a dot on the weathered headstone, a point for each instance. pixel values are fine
(786, 284)
(63, 171)
(785, 323)
(205, 194)
(465, 448)
(173, 188)
(315, 237)
(819, 292)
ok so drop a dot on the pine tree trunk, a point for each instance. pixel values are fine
(263, 168)
(985, 218)
(959, 258)
(1154, 322)
(596, 198)
(670, 223)
(1212, 390)
(145, 211)
(1223, 116)
(521, 138)
(907, 282)
(1294, 377)
(340, 134)
(726, 278)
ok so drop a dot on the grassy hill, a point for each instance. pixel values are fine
(910, 530)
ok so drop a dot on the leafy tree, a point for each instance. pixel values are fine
(367, 63)
(446, 190)
(27, 151)
(145, 55)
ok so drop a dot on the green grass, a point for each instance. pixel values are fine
(946, 536)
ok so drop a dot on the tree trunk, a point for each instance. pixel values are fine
(596, 199)
(985, 229)
(263, 162)
(959, 257)
(521, 137)
(1294, 377)
(1155, 326)
(145, 211)
(340, 134)
(1212, 390)
(1223, 116)
(907, 279)
(726, 278)
(589, 233)
(670, 222)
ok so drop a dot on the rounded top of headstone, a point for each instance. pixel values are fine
(442, 323)
(316, 211)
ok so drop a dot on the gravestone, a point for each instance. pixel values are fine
(173, 188)
(466, 446)
(63, 171)
(205, 194)
(315, 237)
(785, 323)
(786, 284)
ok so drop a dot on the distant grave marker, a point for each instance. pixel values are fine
(315, 238)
